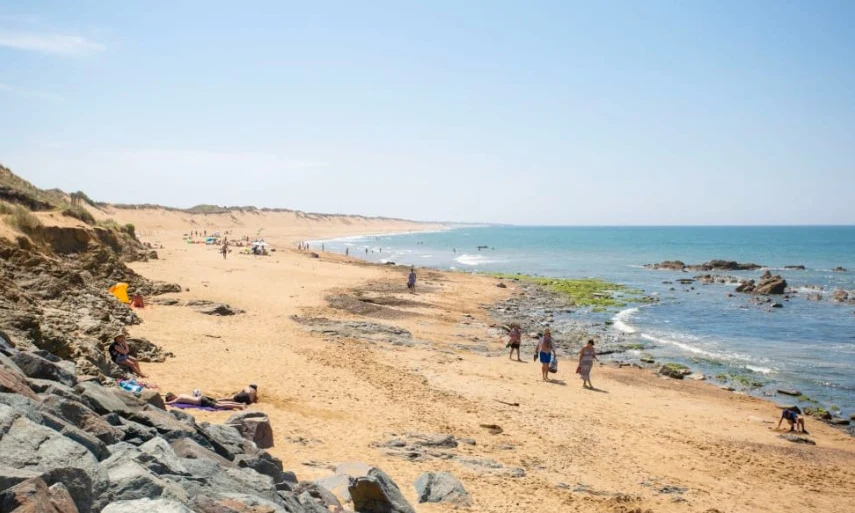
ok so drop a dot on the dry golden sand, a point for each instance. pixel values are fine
(625, 442)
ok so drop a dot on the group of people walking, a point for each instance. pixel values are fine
(544, 352)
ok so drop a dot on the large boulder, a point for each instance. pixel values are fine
(441, 487)
(37, 366)
(263, 463)
(147, 506)
(53, 457)
(81, 417)
(770, 284)
(372, 491)
(240, 503)
(166, 425)
(34, 496)
(130, 480)
(12, 380)
(103, 400)
(191, 449)
(225, 440)
(208, 478)
(254, 426)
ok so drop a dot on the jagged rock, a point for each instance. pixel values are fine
(191, 449)
(55, 458)
(254, 426)
(441, 487)
(226, 440)
(263, 463)
(159, 457)
(207, 477)
(34, 496)
(311, 492)
(839, 269)
(501, 285)
(795, 267)
(12, 380)
(135, 433)
(165, 301)
(166, 425)
(130, 480)
(81, 417)
(372, 491)
(147, 506)
(103, 399)
(36, 366)
(769, 284)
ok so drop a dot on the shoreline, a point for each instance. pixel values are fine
(338, 346)
(742, 374)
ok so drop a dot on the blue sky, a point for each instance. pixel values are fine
(518, 112)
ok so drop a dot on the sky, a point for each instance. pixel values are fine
(558, 113)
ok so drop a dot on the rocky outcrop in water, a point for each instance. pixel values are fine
(767, 284)
(712, 265)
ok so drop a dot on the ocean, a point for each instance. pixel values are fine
(808, 345)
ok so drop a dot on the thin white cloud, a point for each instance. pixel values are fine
(29, 93)
(54, 44)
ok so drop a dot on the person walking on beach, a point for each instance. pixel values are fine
(411, 280)
(514, 342)
(545, 350)
(586, 361)
(225, 249)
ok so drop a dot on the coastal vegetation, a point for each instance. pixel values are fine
(585, 292)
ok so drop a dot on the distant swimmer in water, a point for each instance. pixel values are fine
(411, 281)
(544, 351)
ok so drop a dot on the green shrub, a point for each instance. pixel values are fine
(131, 230)
(78, 212)
(6, 209)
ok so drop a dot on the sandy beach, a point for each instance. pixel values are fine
(638, 443)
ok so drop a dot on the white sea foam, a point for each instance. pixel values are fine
(681, 345)
(621, 320)
(761, 370)
(473, 260)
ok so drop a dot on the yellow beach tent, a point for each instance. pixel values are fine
(120, 290)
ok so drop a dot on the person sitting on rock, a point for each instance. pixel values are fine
(248, 395)
(120, 354)
(794, 417)
(202, 400)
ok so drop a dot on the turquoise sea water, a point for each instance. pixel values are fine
(808, 345)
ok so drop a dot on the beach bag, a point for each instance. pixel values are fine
(553, 365)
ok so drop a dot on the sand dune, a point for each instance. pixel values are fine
(641, 443)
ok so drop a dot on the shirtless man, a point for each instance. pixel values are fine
(544, 350)
(248, 395)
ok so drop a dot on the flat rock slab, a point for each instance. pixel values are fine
(211, 308)
(796, 439)
(147, 506)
